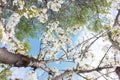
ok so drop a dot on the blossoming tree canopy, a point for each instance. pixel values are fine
(78, 39)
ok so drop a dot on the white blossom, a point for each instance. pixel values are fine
(60, 32)
(15, 2)
(33, 9)
(44, 10)
(32, 75)
(42, 16)
(2, 23)
(59, 1)
(4, 39)
(77, 60)
(19, 3)
(74, 29)
(13, 20)
(53, 26)
(54, 6)
(40, 0)
(8, 34)
(26, 14)
(68, 41)
(56, 71)
(0, 10)
(4, 1)
(70, 53)
(31, 12)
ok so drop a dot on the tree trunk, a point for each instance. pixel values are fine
(117, 70)
(17, 60)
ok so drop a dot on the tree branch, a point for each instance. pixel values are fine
(110, 33)
(69, 72)
(18, 60)
(117, 70)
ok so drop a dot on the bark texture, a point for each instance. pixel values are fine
(117, 70)
(17, 60)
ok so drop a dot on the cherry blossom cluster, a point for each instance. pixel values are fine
(55, 5)
(8, 32)
(56, 38)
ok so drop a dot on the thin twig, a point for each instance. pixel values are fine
(40, 49)
(104, 74)
(104, 56)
